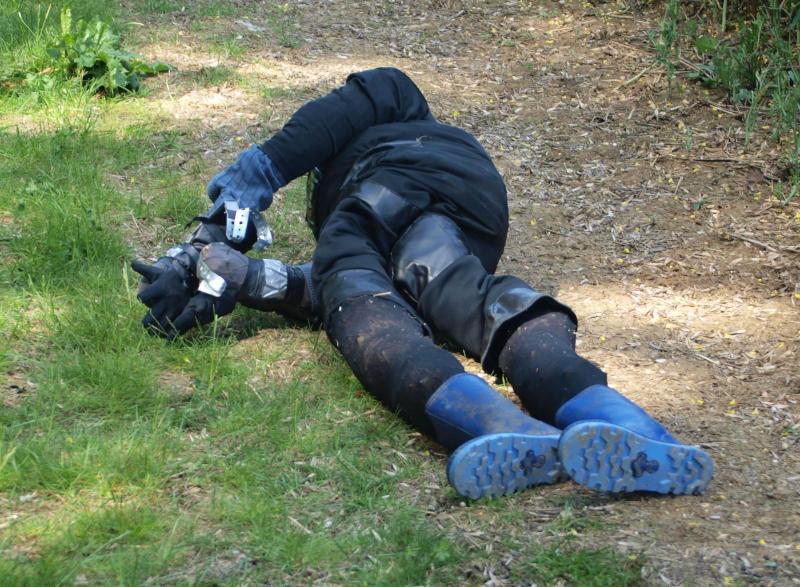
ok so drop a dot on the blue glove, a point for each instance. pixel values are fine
(250, 181)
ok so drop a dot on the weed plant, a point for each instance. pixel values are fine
(757, 64)
(29, 29)
(88, 50)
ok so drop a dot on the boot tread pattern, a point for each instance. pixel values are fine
(611, 458)
(502, 464)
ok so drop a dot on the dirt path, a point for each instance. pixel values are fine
(642, 210)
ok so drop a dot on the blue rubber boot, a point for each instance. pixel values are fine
(498, 450)
(611, 444)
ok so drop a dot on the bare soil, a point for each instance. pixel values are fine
(646, 210)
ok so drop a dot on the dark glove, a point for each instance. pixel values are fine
(201, 309)
(166, 287)
(262, 284)
(215, 293)
(250, 181)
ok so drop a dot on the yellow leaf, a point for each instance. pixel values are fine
(533, 221)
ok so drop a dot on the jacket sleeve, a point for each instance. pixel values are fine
(322, 128)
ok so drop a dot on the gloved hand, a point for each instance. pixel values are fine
(201, 309)
(241, 193)
(222, 272)
(226, 277)
(250, 181)
(166, 287)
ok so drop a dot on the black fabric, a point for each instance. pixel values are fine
(295, 285)
(353, 259)
(542, 366)
(390, 355)
(378, 127)
(376, 136)
(393, 211)
(293, 304)
(350, 284)
(441, 165)
(213, 231)
(352, 255)
(324, 127)
(460, 302)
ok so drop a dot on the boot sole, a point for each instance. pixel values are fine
(502, 464)
(611, 458)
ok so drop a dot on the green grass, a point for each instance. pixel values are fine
(574, 566)
(243, 453)
(756, 62)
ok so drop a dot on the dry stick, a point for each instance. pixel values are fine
(637, 76)
(757, 165)
(299, 525)
(765, 246)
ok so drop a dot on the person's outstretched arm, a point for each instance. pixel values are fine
(321, 128)
(315, 133)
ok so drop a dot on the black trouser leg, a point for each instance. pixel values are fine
(390, 355)
(542, 366)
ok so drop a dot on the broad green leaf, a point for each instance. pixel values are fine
(86, 60)
(705, 44)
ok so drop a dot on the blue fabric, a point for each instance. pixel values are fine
(250, 181)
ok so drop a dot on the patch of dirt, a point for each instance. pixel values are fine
(643, 210)
(15, 388)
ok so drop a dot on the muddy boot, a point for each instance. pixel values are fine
(498, 449)
(611, 444)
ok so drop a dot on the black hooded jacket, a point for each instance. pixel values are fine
(378, 127)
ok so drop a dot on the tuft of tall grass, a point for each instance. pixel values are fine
(757, 65)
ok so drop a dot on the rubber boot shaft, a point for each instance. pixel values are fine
(466, 407)
(505, 450)
(600, 402)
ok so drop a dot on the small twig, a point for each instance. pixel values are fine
(637, 76)
(136, 224)
(299, 525)
(765, 246)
